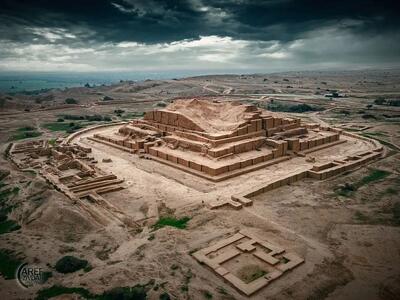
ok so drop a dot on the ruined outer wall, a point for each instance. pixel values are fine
(172, 119)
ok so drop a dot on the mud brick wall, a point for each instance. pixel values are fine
(219, 142)
(293, 131)
(335, 168)
(303, 145)
(135, 130)
(192, 136)
(280, 146)
(268, 123)
(206, 169)
(187, 144)
(269, 186)
(240, 147)
(293, 144)
(312, 126)
(147, 146)
(172, 119)
(378, 146)
(75, 134)
(126, 144)
(221, 152)
(319, 172)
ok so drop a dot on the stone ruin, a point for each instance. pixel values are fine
(218, 140)
(69, 168)
(265, 261)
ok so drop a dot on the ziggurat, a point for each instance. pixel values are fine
(218, 140)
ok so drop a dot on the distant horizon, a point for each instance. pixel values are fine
(17, 81)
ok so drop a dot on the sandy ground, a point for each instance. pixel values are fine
(350, 244)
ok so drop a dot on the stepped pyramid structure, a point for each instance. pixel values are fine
(218, 140)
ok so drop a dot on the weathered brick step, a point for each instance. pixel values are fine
(223, 176)
(103, 190)
(112, 145)
(95, 185)
(92, 180)
(109, 189)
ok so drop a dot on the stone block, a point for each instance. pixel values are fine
(234, 166)
(246, 163)
(208, 170)
(242, 130)
(268, 123)
(294, 145)
(252, 127)
(267, 188)
(239, 148)
(258, 160)
(248, 146)
(293, 178)
(277, 122)
(221, 170)
(153, 152)
(301, 176)
(162, 155)
(172, 119)
(268, 156)
(303, 145)
(194, 166)
(275, 153)
(183, 162)
(259, 125)
(157, 116)
(172, 158)
(312, 143)
(164, 117)
(276, 184)
(149, 115)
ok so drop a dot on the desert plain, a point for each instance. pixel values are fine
(160, 229)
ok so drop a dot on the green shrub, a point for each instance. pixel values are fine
(70, 264)
(72, 117)
(125, 293)
(374, 175)
(71, 101)
(165, 296)
(172, 221)
(94, 118)
(293, 108)
(8, 264)
(57, 290)
(380, 101)
(207, 295)
(368, 116)
(396, 213)
(25, 135)
(348, 188)
(161, 104)
(26, 128)
(8, 226)
(137, 292)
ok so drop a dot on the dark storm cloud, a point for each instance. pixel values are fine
(225, 35)
(165, 21)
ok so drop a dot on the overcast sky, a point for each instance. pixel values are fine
(220, 35)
